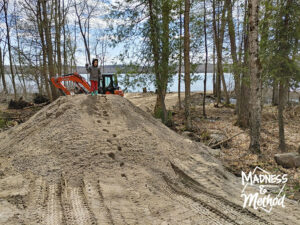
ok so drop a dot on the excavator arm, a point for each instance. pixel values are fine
(75, 77)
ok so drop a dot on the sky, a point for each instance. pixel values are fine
(98, 25)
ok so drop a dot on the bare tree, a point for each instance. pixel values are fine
(44, 48)
(236, 65)
(64, 24)
(180, 55)
(102, 40)
(243, 112)
(219, 39)
(285, 47)
(19, 70)
(5, 5)
(58, 23)
(187, 79)
(214, 67)
(46, 25)
(84, 12)
(255, 78)
(2, 72)
(206, 59)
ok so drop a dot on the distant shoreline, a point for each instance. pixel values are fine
(118, 68)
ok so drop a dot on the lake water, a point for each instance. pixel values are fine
(145, 81)
(196, 85)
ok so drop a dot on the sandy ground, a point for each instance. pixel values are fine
(102, 160)
(146, 101)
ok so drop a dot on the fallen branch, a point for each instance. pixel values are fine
(228, 139)
(37, 105)
(10, 117)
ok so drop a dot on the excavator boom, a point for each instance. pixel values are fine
(75, 77)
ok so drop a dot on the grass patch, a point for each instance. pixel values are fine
(159, 114)
(2, 123)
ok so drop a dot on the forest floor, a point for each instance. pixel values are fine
(220, 125)
(102, 160)
(12, 117)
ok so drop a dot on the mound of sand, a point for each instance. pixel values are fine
(101, 160)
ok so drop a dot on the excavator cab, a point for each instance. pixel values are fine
(109, 85)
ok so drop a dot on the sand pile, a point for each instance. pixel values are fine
(101, 160)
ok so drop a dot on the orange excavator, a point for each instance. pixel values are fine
(105, 86)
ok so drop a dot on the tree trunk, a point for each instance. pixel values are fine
(214, 69)
(255, 78)
(282, 102)
(65, 67)
(187, 79)
(284, 51)
(65, 52)
(5, 4)
(38, 84)
(24, 84)
(49, 48)
(57, 20)
(216, 43)
(180, 56)
(206, 59)
(160, 108)
(44, 49)
(73, 50)
(22, 79)
(288, 94)
(166, 9)
(42, 80)
(2, 72)
(236, 71)
(220, 45)
(219, 38)
(243, 116)
(275, 94)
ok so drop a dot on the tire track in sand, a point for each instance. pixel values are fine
(75, 210)
(218, 204)
(95, 201)
(54, 213)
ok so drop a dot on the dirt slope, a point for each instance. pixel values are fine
(101, 160)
